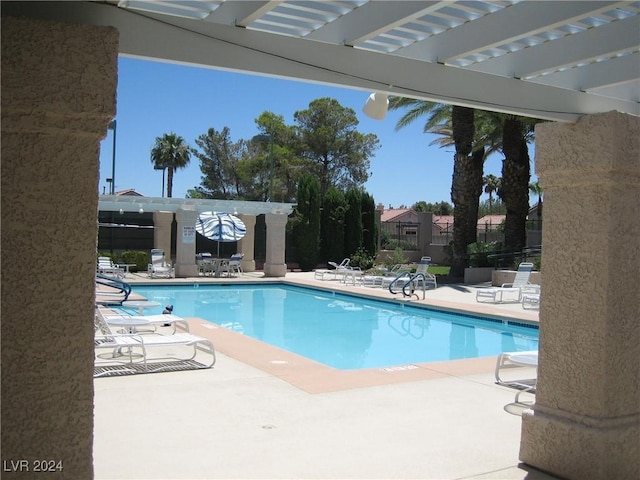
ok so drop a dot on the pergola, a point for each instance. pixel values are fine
(186, 211)
(115, 203)
(554, 60)
(575, 63)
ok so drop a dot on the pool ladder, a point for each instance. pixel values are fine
(118, 290)
(408, 283)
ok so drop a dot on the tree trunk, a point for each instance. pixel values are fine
(475, 166)
(516, 172)
(169, 181)
(461, 193)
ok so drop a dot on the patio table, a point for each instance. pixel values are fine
(140, 305)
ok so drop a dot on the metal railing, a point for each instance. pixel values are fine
(507, 259)
(403, 235)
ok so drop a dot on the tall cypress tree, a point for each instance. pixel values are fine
(306, 229)
(353, 222)
(332, 229)
(369, 227)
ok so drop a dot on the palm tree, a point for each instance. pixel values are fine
(536, 189)
(516, 173)
(466, 187)
(171, 152)
(455, 125)
(491, 185)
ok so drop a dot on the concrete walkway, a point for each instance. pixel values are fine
(451, 421)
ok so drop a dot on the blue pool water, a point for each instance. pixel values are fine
(342, 331)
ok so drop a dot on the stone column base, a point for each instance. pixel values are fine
(581, 447)
(275, 270)
(186, 270)
(248, 265)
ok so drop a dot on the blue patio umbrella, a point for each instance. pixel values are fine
(221, 227)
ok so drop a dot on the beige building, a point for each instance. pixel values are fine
(59, 75)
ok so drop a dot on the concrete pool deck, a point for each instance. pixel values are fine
(263, 413)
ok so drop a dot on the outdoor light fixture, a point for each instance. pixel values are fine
(112, 126)
(141, 210)
(376, 106)
(163, 168)
(121, 211)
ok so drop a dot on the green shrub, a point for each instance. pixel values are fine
(392, 244)
(362, 259)
(139, 259)
(479, 252)
(114, 257)
(537, 264)
(395, 258)
(385, 237)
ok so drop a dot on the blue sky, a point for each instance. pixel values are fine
(155, 98)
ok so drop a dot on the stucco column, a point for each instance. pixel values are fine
(586, 419)
(186, 243)
(162, 232)
(246, 244)
(274, 265)
(58, 97)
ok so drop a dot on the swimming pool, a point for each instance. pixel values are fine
(342, 331)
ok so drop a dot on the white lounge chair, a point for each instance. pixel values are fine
(124, 354)
(531, 301)
(320, 273)
(420, 279)
(159, 267)
(422, 270)
(144, 323)
(382, 280)
(509, 360)
(510, 292)
(349, 273)
(107, 267)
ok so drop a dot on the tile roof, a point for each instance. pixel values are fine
(392, 213)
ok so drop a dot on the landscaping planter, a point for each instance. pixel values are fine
(478, 274)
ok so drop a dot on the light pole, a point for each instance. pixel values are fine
(263, 138)
(163, 169)
(112, 126)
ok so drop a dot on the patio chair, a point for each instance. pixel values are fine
(159, 267)
(126, 354)
(510, 292)
(235, 264)
(108, 268)
(205, 264)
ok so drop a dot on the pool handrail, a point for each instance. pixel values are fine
(122, 289)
